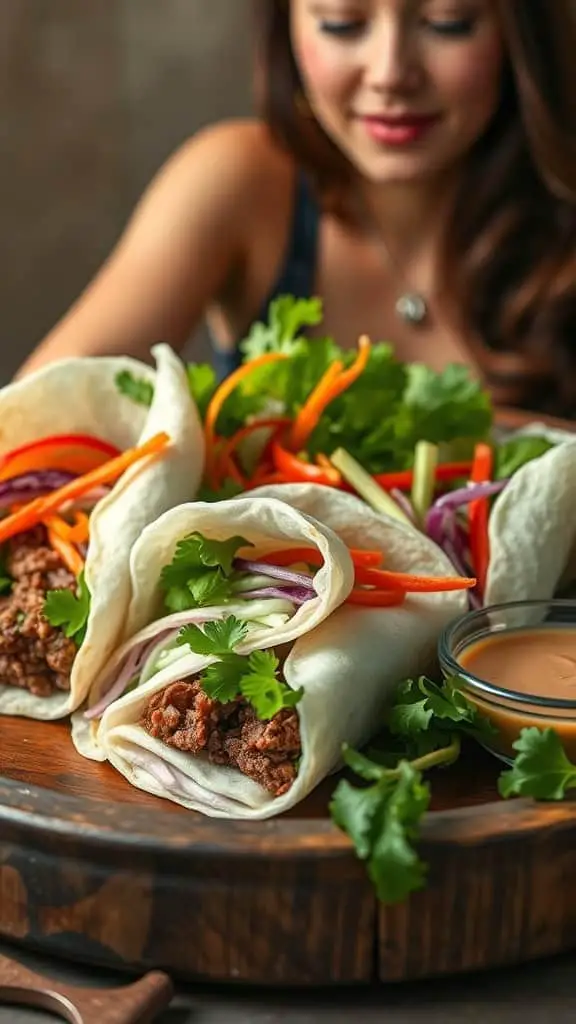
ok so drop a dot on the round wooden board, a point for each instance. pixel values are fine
(94, 870)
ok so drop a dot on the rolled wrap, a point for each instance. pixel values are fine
(267, 524)
(347, 665)
(81, 396)
(532, 526)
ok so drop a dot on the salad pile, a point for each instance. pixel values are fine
(412, 442)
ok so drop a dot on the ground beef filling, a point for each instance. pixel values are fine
(34, 655)
(184, 717)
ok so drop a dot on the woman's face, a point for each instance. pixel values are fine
(403, 87)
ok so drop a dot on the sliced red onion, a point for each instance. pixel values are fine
(275, 572)
(298, 595)
(443, 509)
(134, 661)
(27, 486)
(404, 502)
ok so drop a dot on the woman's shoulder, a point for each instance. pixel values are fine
(238, 160)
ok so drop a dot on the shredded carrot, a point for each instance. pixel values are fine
(68, 553)
(80, 530)
(314, 406)
(386, 580)
(376, 598)
(217, 401)
(289, 556)
(333, 383)
(35, 511)
(478, 515)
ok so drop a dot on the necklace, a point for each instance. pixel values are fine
(411, 306)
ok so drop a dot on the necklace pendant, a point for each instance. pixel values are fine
(411, 307)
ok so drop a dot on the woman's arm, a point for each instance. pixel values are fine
(180, 246)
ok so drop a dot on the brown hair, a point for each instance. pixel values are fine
(513, 234)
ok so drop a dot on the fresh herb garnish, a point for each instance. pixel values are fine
(70, 612)
(199, 573)
(424, 728)
(541, 768)
(443, 408)
(253, 676)
(511, 455)
(136, 388)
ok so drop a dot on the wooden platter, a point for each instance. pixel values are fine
(93, 870)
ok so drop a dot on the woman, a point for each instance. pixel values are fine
(414, 165)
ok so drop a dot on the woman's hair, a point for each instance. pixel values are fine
(511, 250)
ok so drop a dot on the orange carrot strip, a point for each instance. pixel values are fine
(35, 511)
(217, 401)
(288, 556)
(70, 556)
(376, 598)
(81, 529)
(329, 387)
(386, 580)
(478, 514)
(314, 406)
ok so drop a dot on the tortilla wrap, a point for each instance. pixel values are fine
(81, 396)
(266, 523)
(347, 665)
(532, 527)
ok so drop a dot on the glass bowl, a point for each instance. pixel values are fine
(512, 709)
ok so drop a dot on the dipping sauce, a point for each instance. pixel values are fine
(532, 665)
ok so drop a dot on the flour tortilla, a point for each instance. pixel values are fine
(532, 527)
(80, 396)
(348, 666)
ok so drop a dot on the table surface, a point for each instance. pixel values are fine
(521, 995)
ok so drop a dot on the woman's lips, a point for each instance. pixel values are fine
(399, 131)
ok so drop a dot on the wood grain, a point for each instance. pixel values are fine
(94, 870)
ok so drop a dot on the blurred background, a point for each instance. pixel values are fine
(94, 95)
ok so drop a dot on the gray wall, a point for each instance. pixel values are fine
(94, 94)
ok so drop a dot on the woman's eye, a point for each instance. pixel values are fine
(341, 28)
(455, 27)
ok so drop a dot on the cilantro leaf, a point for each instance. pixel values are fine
(136, 388)
(214, 638)
(261, 687)
(198, 574)
(202, 384)
(427, 715)
(287, 317)
(382, 821)
(254, 676)
(541, 768)
(210, 588)
(221, 680)
(394, 865)
(510, 456)
(64, 609)
(446, 406)
(195, 552)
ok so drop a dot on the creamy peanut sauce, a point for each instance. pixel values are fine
(537, 662)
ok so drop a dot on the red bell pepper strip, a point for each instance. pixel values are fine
(402, 479)
(296, 470)
(78, 453)
(478, 515)
(35, 511)
(383, 579)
